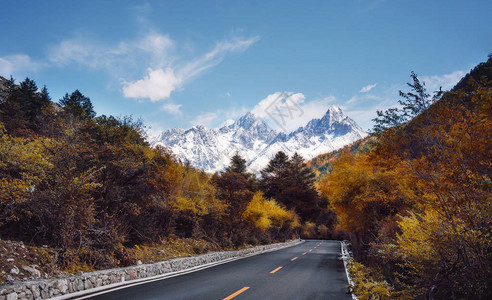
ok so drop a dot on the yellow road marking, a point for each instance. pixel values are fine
(310, 250)
(276, 270)
(294, 258)
(304, 253)
(236, 293)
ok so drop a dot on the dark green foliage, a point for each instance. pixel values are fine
(300, 192)
(22, 107)
(274, 176)
(291, 182)
(78, 105)
(238, 164)
(235, 190)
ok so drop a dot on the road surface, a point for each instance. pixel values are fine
(310, 270)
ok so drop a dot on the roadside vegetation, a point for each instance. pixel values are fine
(416, 201)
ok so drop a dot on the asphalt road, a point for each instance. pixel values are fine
(310, 270)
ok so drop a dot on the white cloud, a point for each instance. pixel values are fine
(367, 88)
(149, 67)
(352, 100)
(446, 81)
(286, 111)
(214, 119)
(157, 85)
(165, 70)
(227, 122)
(158, 48)
(152, 49)
(205, 119)
(216, 55)
(13, 64)
(173, 108)
(75, 51)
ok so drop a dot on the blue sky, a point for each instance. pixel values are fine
(182, 63)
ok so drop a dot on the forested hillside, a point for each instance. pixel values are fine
(416, 204)
(97, 195)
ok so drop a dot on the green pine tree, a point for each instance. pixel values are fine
(78, 105)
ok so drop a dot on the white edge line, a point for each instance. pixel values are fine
(344, 258)
(85, 294)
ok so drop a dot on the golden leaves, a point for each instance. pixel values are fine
(24, 162)
(267, 213)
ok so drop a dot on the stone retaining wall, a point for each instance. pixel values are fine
(55, 287)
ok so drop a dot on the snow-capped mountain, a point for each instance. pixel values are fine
(211, 149)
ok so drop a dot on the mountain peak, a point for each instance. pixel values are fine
(209, 149)
(199, 127)
(248, 121)
(334, 111)
(334, 123)
(248, 115)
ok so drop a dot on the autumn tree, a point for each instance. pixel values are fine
(267, 213)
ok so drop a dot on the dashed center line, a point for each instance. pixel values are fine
(272, 272)
(236, 293)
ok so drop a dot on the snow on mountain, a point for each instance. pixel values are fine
(211, 149)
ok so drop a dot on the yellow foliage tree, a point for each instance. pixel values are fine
(363, 194)
(24, 162)
(267, 213)
(193, 192)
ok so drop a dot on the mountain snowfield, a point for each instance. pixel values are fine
(212, 149)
